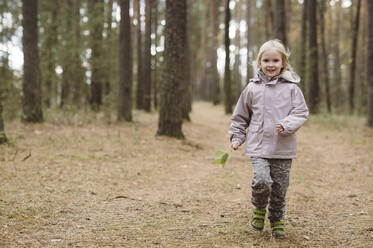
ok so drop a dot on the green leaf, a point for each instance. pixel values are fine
(221, 157)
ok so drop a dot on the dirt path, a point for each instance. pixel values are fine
(117, 185)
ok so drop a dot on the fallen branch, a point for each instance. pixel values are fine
(29, 155)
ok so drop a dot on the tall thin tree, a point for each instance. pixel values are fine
(155, 57)
(355, 35)
(248, 40)
(370, 59)
(3, 137)
(280, 21)
(31, 101)
(125, 64)
(187, 86)
(147, 55)
(215, 89)
(337, 72)
(139, 62)
(227, 72)
(324, 55)
(170, 113)
(313, 74)
(97, 75)
(303, 46)
(237, 57)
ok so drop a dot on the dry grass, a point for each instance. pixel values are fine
(118, 185)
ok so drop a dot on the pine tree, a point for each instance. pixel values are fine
(125, 64)
(173, 77)
(31, 102)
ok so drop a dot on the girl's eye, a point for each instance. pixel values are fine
(276, 60)
(265, 60)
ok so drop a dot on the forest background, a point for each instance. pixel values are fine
(74, 55)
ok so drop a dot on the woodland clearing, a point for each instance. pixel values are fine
(78, 181)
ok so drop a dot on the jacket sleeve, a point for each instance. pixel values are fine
(241, 118)
(298, 114)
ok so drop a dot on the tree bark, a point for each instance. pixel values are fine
(155, 57)
(249, 73)
(237, 59)
(355, 35)
(78, 70)
(187, 95)
(67, 55)
(170, 113)
(303, 46)
(325, 67)
(125, 64)
(140, 88)
(280, 21)
(97, 78)
(215, 89)
(3, 137)
(268, 19)
(313, 79)
(147, 56)
(31, 101)
(227, 72)
(370, 59)
(337, 74)
(49, 76)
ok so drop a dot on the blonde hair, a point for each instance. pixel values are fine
(279, 47)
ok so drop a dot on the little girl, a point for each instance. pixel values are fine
(272, 108)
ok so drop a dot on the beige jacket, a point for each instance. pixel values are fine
(263, 104)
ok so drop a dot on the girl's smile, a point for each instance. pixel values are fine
(271, 63)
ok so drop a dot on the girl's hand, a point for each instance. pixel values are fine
(280, 129)
(235, 145)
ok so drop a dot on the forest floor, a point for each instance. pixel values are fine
(80, 182)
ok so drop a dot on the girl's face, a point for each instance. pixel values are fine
(271, 62)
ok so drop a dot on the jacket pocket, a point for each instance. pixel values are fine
(284, 144)
(252, 137)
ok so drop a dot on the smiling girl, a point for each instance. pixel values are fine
(268, 113)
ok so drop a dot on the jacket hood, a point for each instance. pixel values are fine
(286, 75)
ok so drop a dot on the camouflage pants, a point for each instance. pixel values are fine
(270, 183)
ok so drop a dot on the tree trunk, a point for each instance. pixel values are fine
(49, 77)
(280, 21)
(355, 34)
(31, 102)
(215, 89)
(227, 72)
(202, 77)
(249, 73)
(125, 64)
(108, 47)
(370, 59)
(97, 57)
(237, 59)
(3, 137)
(337, 74)
(187, 95)
(140, 88)
(303, 45)
(170, 113)
(67, 57)
(268, 19)
(155, 57)
(313, 79)
(147, 56)
(78, 70)
(325, 67)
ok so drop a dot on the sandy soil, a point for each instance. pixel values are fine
(118, 185)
